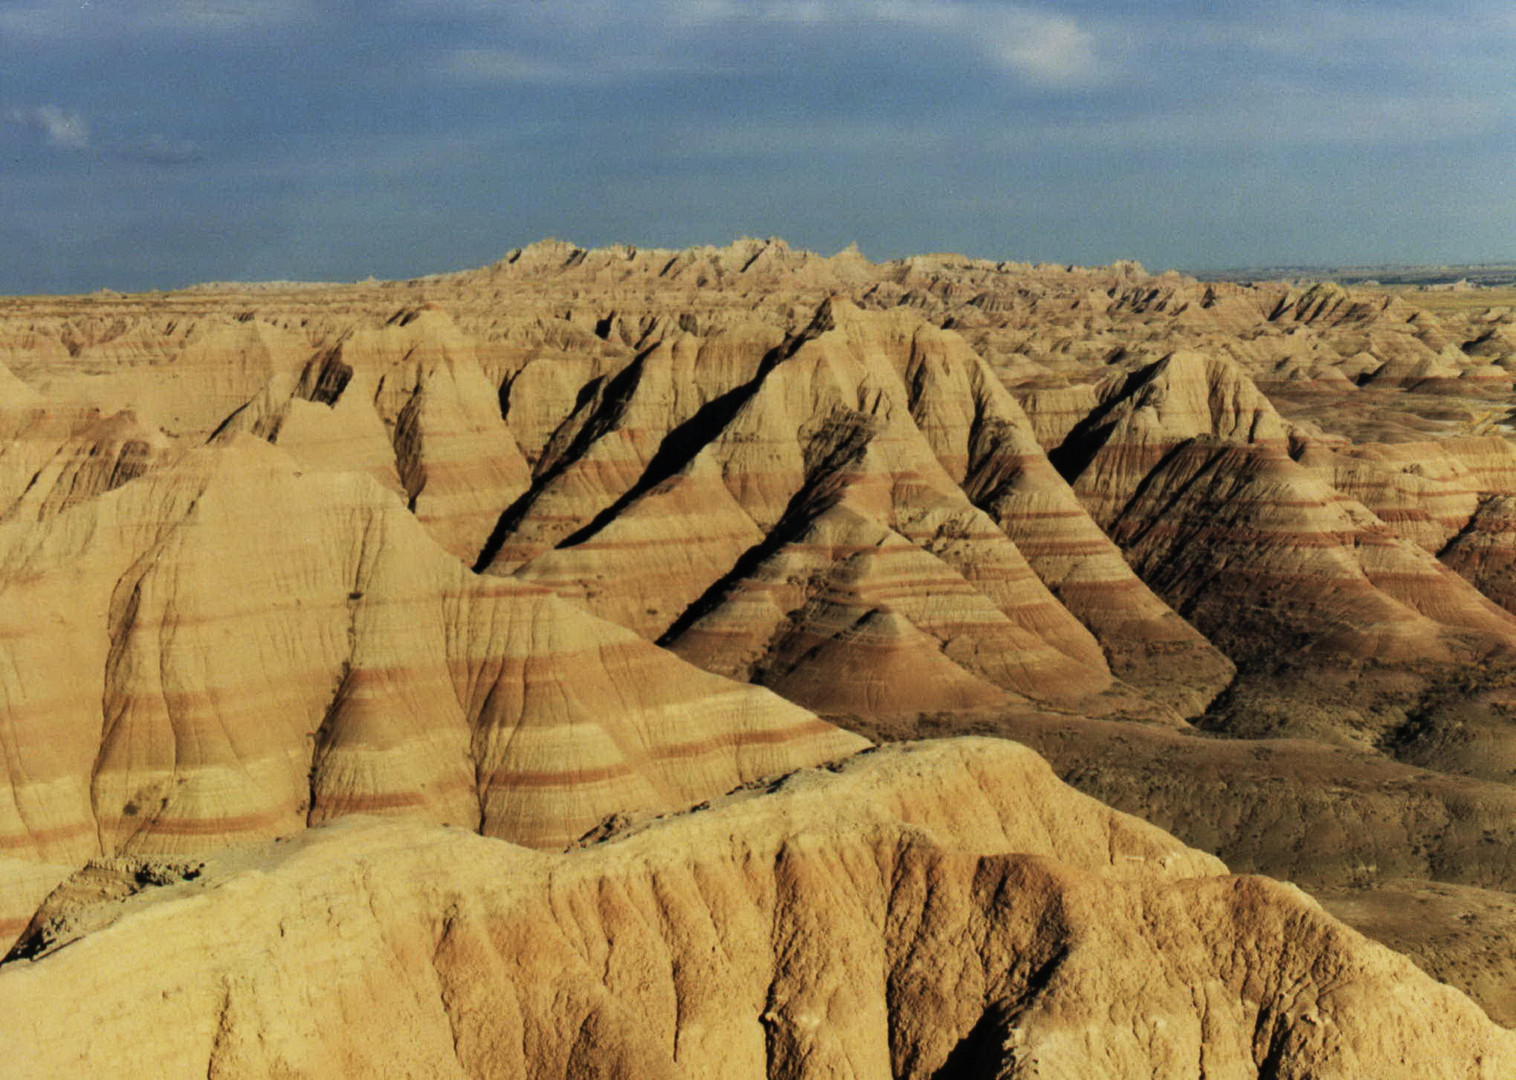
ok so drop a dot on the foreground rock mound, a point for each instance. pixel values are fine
(941, 910)
(946, 909)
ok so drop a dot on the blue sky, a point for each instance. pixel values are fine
(154, 143)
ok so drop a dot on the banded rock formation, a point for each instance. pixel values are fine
(1190, 469)
(231, 649)
(825, 476)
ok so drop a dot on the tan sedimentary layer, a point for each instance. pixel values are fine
(841, 418)
(1188, 466)
(1484, 552)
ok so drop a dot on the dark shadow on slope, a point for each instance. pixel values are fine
(674, 454)
(983, 1051)
(824, 485)
(1079, 447)
(677, 450)
(598, 409)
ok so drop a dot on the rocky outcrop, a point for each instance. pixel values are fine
(823, 492)
(1484, 550)
(946, 909)
(1190, 468)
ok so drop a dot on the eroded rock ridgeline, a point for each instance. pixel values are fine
(937, 910)
(936, 495)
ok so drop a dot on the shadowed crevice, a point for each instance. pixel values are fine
(825, 483)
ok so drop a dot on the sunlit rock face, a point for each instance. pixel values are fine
(586, 537)
(949, 906)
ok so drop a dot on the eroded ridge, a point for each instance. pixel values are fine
(936, 910)
(274, 555)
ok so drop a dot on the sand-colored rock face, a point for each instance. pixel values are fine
(1254, 532)
(1186, 463)
(946, 907)
(506, 549)
(822, 496)
(1484, 551)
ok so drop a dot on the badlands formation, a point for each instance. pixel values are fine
(481, 675)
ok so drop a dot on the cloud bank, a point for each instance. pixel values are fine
(294, 138)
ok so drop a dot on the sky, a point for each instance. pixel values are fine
(155, 143)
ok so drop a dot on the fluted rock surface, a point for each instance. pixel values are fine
(1484, 551)
(788, 470)
(1251, 531)
(939, 910)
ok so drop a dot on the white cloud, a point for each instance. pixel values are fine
(62, 128)
(1267, 123)
(505, 65)
(161, 149)
(1039, 45)
(1300, 29)
(512, 66)
(794, 139)
(35, 19)
(227, 16)
(1049, 49)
